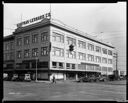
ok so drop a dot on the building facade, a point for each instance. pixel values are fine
(43, 47)
(9, 54)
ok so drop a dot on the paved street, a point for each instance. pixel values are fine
(65, 91)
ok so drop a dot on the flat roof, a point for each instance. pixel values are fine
(9, 37)
(53, 22)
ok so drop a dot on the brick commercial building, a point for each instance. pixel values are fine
(45, 46)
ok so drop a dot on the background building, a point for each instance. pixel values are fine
(118, 39)
(9, 54)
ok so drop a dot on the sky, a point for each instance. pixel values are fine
(92, 18)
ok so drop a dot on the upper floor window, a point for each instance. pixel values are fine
(19, 54)
(19, 41)
(71, 54)
(35, 38)
(11, 55)
(26, 53)
(71, 41)
(109, 69)
(44, 36)
(58, 37)
(104, 60)
(82, 56)
(90, 47)
(26, 40)
(109, 52)
(11, 45)
(104, 69)
(7, 46)
(109, 61)
(34, 52)
(98, 59)
(58, 51)
(44, 51)
(90, 57)
(98, 49)
(82, 44)
(104, 51)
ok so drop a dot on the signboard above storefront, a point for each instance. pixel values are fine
(24, 23)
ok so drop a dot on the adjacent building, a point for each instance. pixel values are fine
(43, 47)
(9, 54)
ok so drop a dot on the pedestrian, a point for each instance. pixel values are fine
(54, 79)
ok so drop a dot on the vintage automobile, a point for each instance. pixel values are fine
(15, 77)
(103, 78)
(21, 77)
(89, 79)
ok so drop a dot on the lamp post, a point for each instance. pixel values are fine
(36, 69)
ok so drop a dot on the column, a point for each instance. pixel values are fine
(64, 76)
(76, 76)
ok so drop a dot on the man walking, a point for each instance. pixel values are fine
(54, 79)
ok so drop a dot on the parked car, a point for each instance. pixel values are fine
(89, 79)
(103, 78)
(27, 77)
(5, 76)
(15, 77)
(21, 77)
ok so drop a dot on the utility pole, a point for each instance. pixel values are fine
(36, 69)
(116, 65)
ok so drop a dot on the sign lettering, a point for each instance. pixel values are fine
(34, 19)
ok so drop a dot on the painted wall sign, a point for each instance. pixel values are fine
(34, 19)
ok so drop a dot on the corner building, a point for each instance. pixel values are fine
(46, 43)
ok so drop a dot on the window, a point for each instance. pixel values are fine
(73, 66)
(35, 38)
(44, 36)
(26, 40)
(19, 54)
(67, 65)
(58, 52)
(19, 41)
(109, 52)
(109, 61)
(82, 44)
(109, 69)
(71, 55)
(98, 49)
(104, 60)
(104, 51)
(71, 41)
(90, 47)
(98, 59)
(60, 65)
(26, 53)
(43, 64)
(11, 55)
(104, 69)
(7, 46)
(35, 52)
(44, 51)
(58, 37)
(54, 64)
(82, 56)
(11, 45)
(90, 57)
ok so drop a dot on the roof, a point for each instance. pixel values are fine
(61, 25)
(9, 37)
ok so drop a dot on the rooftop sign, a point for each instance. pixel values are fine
(34, 19)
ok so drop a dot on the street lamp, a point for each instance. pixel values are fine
(36, 69)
